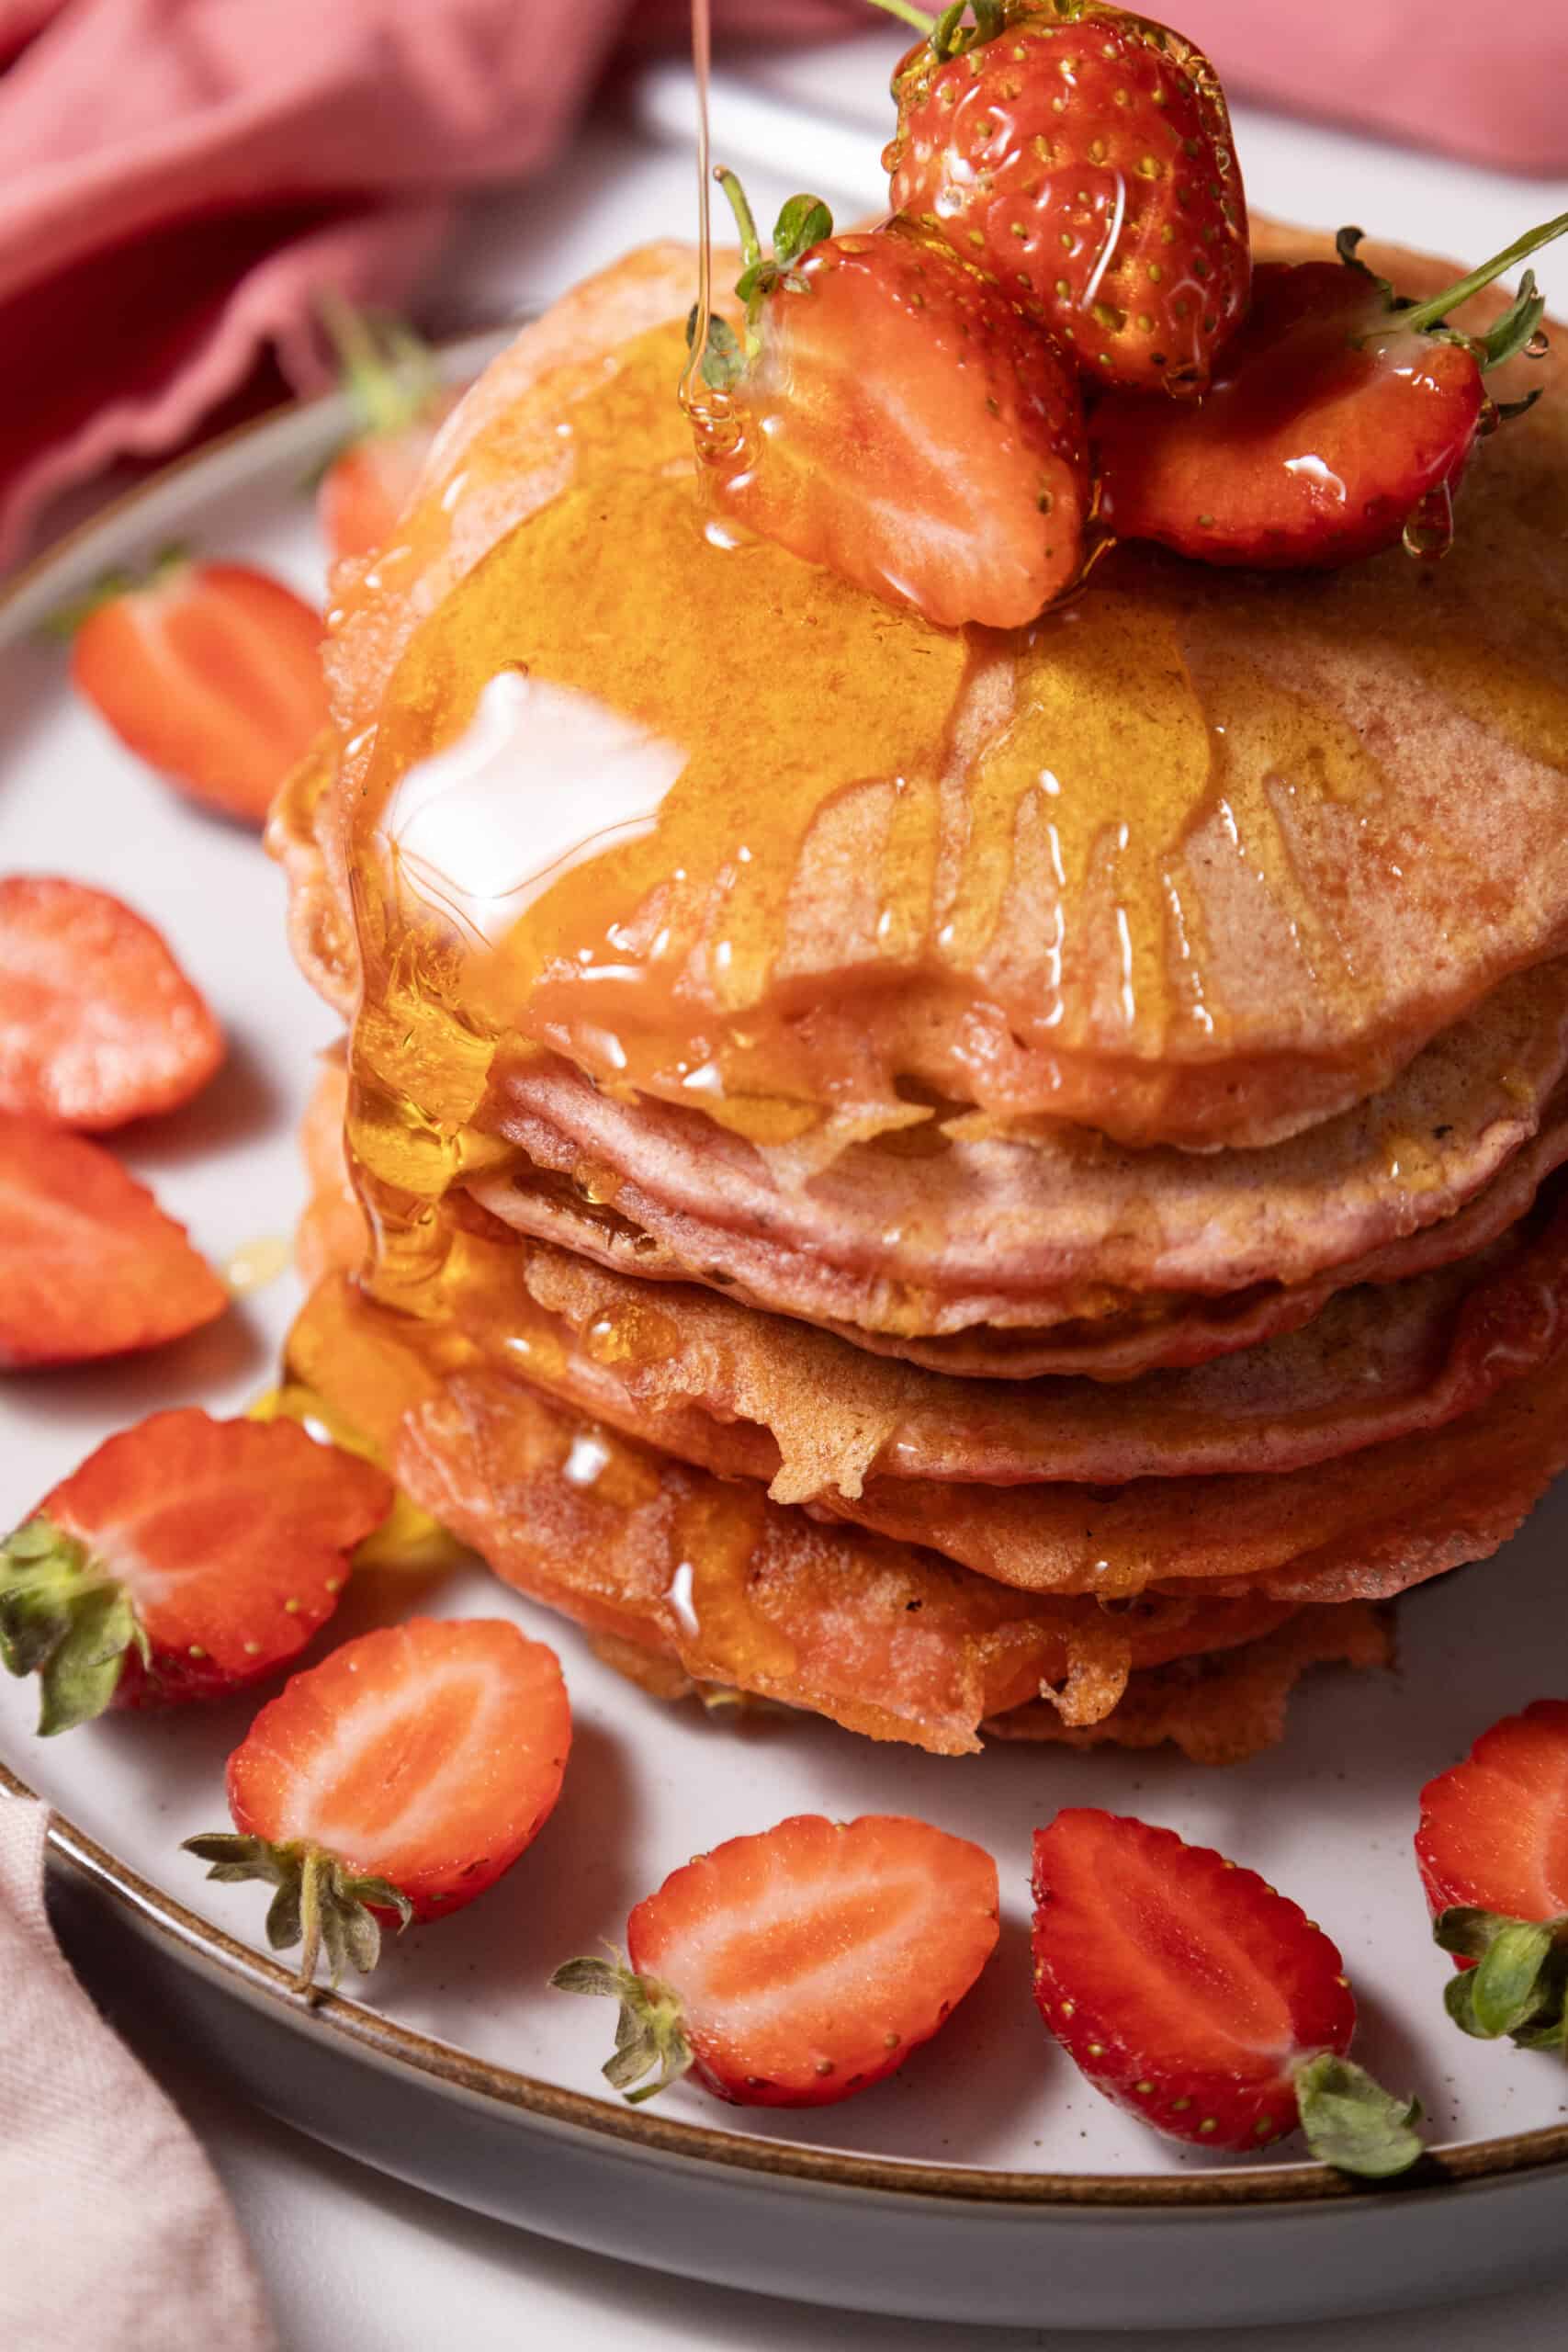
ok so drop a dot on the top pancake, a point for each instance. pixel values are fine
(1200, 859)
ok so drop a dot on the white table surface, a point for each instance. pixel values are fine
(349, 2258)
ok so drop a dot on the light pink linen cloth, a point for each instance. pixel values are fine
(115, 2235)
(180, 178)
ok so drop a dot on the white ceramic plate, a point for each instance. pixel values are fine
(985, 2181)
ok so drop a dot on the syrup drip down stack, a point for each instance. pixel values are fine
(976, 1182)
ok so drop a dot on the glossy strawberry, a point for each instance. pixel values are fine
(90, 1264)
(1339, 419)
(1193, 1995)
(1084, 155)
(399, 1778)
(399, 402)
(185, 1557)
(1493, 1852)
(891, 417)
(211, 672)
(98, 1024)
(796, 1967)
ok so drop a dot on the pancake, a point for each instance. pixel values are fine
(1219, 1710)
(750, 1394)
(1375, 1366)
(883, 1639)
(1111, 1335)
(1010, 1230)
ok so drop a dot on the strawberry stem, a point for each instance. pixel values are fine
(905, 14)
(388, 372)
(745, 219)
(1433, 312)
(310, 1918)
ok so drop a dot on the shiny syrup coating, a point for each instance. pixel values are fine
(1085, 156)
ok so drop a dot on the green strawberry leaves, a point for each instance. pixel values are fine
(648, 2031)
(1519, 328)
(320, 1903)
(804, 222)
(64, 1620)
(1349, 2120)
(1519, 1985)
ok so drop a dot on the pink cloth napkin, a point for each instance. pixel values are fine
(115, 2235)
(180, 178)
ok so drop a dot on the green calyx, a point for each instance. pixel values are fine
(388, 371)
(1519, 328)
(967, 26)
(61, 625)
(320, 1903)
(804, 222)
(1519, 1985)
(62, 1618)
(1349, 2120)
(648, 2031)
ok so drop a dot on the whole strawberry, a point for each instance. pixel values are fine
(1083, 155)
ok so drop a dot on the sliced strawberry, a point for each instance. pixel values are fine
(408, 1542)
(211, 672)
(1193, 1994)
(794, 1968)
(98, 1024)
(1085, 155)
(1339, 419)
(1493, 1852)
(185, 1557)
(401, 1776)
(890, 416)
(399, 402)
(90, 1264)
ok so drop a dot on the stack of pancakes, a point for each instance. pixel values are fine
(970, 1184)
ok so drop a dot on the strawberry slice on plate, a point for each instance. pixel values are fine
(1493, 1852)
(211, 672)
(794, 1968)
(1193, 1994)
(890, 416)
(398, 399)
(399, 1778)
(1341, 420)
(98, 1024)
(185, 1557)
(90, 1264)
(1084, 155)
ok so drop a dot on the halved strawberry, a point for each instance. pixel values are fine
(401, 1776)
(1339, 419)
(1493, 1852)
(794, 1968)
(892, 417)
(212, 672)
(408, 1542)
(90, 1264)
(185, 1557)
(399, 402)
(1085, 155)
(98, 1024)
(1191, 1992)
